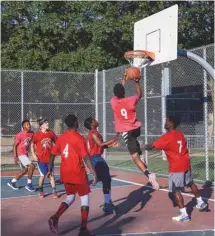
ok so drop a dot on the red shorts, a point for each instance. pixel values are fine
(81, 189)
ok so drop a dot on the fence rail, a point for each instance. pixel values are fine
(180, 88)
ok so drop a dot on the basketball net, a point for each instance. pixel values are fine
(139, 58)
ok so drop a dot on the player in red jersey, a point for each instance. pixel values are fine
(175, 147)
(96, 149)
(124, 110)
(21, 147)
(73, 150)
(42, 142)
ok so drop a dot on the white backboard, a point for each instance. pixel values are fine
(158, 33)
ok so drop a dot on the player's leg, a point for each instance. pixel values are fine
(42, 172)
(176, 185)
(189, 183)
(70, 197)
(83, 191)
(52, 182)
(25, 164)
(103, 174)
(135, 151)
(31, 167)
(18, 176)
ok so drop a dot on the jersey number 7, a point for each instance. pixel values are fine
(180, 146)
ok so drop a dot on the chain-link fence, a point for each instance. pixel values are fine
(177, 88)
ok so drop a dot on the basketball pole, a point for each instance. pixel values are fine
(207, 68)
(96, 95)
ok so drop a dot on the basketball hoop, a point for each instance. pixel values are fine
(139, 58)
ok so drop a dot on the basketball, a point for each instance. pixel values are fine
(133, 73)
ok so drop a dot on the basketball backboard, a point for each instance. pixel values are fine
(158, 33)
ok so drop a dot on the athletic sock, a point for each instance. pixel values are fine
(14, 180)
(147, 173)
(183, 211)
(29, 181)
(84, 217)
(107, 198)
(199, 200)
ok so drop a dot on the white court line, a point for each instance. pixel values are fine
(160, 232)
(133, 183)
(164, 190)
(62, 192)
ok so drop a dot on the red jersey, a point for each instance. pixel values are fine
(24, 139)
(72, 148)
(124, 110)
(175, 147)
(95, 149)
(44, 144)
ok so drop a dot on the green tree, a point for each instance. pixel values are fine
(84, 36)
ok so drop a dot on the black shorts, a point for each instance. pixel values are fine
(131, 142)
(102, 171)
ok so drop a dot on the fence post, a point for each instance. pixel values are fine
(165, 90)
(96, 95)
(206, 118)
(146, 113)
(22, 96)
(104, 110)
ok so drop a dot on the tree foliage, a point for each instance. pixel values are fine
(84, 36)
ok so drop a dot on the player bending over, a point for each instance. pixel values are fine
(96, 146)
(21, 147)
(43, 142)
(124, 110)
(73, 150)
(175, 147)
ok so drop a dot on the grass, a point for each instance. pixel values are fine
(157, 165)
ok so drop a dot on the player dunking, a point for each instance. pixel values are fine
(43, 142)
(175, 147)
(96, 146)
(73, 150)
(21, 147)
(124, 110)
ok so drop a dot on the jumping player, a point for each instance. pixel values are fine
(73, 150)
(21, 147)
(96, 146)
(124, 110)
(42, 142)
(174, 144)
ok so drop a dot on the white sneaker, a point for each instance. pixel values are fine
(201, 206)
(153, 181)
(181, 218)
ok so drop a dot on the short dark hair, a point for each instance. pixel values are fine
(119, 90)
(175, 120)
(70, 120)
(25, 121)
(88, 123)
(41, 121)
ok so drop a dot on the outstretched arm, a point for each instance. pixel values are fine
(148, 147)
(99, 142)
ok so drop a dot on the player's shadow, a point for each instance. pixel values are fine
(140, 196)
(206, 193)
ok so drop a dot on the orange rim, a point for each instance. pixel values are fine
(140, 54)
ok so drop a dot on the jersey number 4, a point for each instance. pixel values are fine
(124, 113)
(180, 146)
(66, 151)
